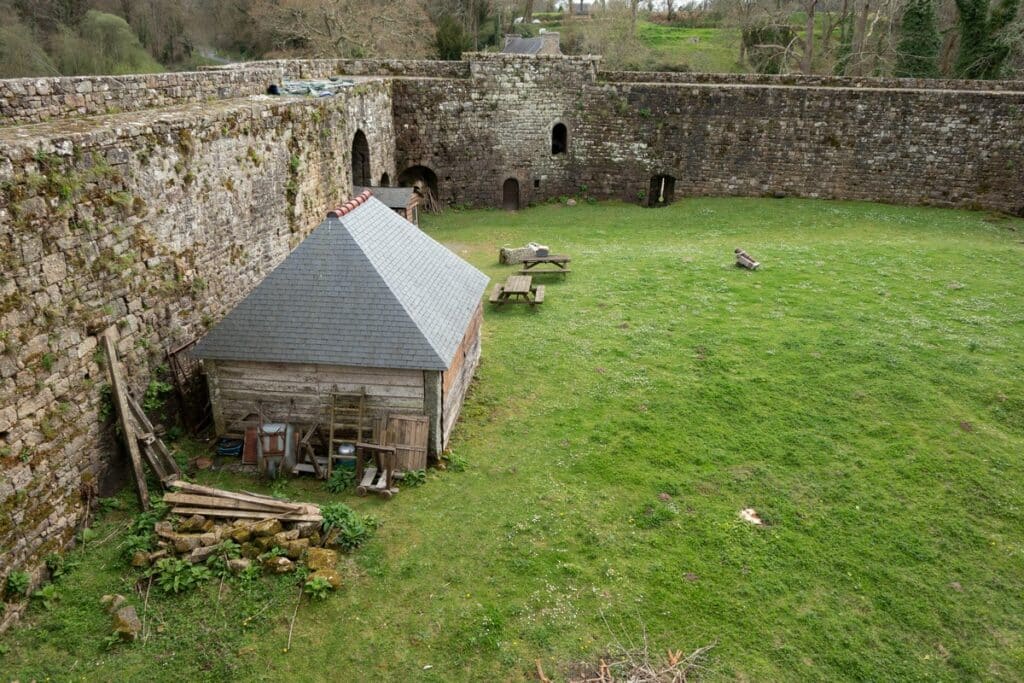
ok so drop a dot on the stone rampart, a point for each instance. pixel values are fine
(151, 224)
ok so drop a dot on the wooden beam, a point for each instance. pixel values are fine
(246, 514)
(119, 393)
(219, 502)
(168, 468)
(285, 507)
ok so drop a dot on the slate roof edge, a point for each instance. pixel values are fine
(430, 342)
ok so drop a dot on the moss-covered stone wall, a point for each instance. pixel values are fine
(152, 224)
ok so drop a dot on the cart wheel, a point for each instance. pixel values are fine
(360, 490)
(387, 494)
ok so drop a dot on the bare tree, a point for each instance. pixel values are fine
(346, 28)
(808, 62)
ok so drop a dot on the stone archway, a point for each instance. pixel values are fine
(510, 195)
(559, 139)
(662, 190)
(425, 181)
(361, 161)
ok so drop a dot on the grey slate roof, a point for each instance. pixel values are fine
(523, 46)
(367, 289)
(393, 197)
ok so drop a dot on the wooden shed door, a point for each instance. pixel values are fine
(510, 195)
(409, 434)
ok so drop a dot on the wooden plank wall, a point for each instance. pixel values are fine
(458, 377)
(299, 393)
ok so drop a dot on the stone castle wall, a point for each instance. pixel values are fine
(31, 100)
(812, 80)
(155, 224)
(939, 147)
(477, 132)
(895, 144)
(156, 220)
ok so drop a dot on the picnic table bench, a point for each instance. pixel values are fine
(518, 289)
(559, 263)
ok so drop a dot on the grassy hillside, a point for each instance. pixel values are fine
(714, 50)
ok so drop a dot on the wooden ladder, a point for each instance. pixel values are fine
(349, 423)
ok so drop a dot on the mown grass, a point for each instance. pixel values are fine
(861, 390)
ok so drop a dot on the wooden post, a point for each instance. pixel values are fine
(119, 393)
(433, 407)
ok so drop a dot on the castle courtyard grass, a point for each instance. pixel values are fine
(862, 392)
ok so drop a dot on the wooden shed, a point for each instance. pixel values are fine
(367, 303)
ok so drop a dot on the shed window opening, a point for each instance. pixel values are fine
(559, 139)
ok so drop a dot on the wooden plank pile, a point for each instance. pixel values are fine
(139, 433)
(193, 499)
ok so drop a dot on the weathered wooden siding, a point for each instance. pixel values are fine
(300, 393)
(458, 377)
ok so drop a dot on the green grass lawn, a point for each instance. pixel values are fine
(862, 391)
(712, 50)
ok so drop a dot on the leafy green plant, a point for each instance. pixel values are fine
(250, 574)
(414, 478)
(318, 587)
(58, 565)
(17, 584)
(174, 575)
(341, 480)
(345, 527)
(134, 543)
(105, 505)
(111, 641)
(106, 402)
(270, 554)
(48, 595)
(218, 563)
(141, 535)
(456, 463)
(156, 394)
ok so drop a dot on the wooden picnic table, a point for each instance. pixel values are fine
(560, 264)
(518, 289)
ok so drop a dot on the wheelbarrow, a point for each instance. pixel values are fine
(276, 449)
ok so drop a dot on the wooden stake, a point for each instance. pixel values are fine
(119, 393)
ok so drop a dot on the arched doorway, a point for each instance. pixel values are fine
(361, 160)
(559, 139)
(510, 195)
(662, 190)
(385, 181)
(424, 180)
